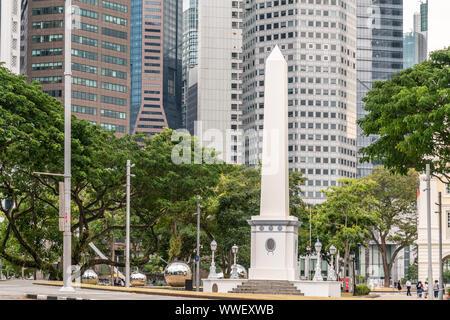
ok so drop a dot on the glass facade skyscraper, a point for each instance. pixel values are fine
(190, 48)
(156, 65)
(379, 55)
(414, 49)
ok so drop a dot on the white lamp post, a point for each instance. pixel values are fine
(332, 275)
(234, 273)
(318, 271)
(212, 269)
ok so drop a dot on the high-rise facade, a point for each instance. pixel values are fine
(380, 55)
(156, 62)
(415, 43)
(318, 40)
(214, 85)
(414, 49)
(10, 34)
(100, 56)
(190, 48)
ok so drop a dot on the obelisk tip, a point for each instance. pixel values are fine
(276, 54)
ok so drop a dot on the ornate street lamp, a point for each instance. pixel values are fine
(318, 271)
(332, 275)
(234, 272)
(212, 269)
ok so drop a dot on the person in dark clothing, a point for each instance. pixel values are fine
(399, 285)
(419, 289)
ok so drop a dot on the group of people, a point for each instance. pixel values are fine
(422, 288)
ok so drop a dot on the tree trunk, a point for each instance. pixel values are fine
(367, 260)
(346, 254)
(112, 259)
(386, 266)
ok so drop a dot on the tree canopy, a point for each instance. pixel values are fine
(411, 114)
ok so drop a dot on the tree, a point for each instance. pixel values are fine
(395, 214)
(345, 218)
(411, 115)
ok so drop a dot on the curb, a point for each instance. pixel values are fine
(45, 297)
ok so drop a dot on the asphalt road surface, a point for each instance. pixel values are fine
(17, 289)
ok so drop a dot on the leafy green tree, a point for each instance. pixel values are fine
(411, 115)
(396, 214)
(346, 217)
(31, 125)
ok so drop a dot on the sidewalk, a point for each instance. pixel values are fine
(206, 295)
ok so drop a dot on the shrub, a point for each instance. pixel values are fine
(362, 290)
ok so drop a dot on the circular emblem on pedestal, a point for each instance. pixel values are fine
(270, 245)
(270, 228)
(261, 228)
(280, 228)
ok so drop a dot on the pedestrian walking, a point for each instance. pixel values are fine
(419, 289)
(436, 288)
(399, 285)
(408, 287)
(425, 289)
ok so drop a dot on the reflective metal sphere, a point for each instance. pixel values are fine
(176, 273)
(138, 279)
(242, 272)
(89, 277)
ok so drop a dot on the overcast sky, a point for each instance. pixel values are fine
(438, 21)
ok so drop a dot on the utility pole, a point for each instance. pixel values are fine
(197, 257)
(441, 278)
(127, 249)
(67, 242)
(430, 273)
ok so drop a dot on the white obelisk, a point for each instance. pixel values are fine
(275, 233)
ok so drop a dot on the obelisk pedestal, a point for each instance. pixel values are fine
(275, 233)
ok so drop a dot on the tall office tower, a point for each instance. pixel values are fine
(380, 55)
(415, 43)
(190, 48)
(414, 49)
(10, 34)
(318, 40)
(156, 31)
(100, 56)
(213, 96)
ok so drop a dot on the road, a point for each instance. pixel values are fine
(16, 289)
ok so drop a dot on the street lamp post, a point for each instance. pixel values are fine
(307, 263)
(197, 257)
(430, 273)
(318, 271)
(354, 277)
(332, 275)
(441, 278)
(127, 248)
(67, 236)
(212, 269)
(234, 273)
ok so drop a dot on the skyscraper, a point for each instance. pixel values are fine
(100, 56)
(10, 34)
(415, 43)
(156, 62)
(380, 55)
(214, 86)
(414, 49)
(318, 40)
(190, 47)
